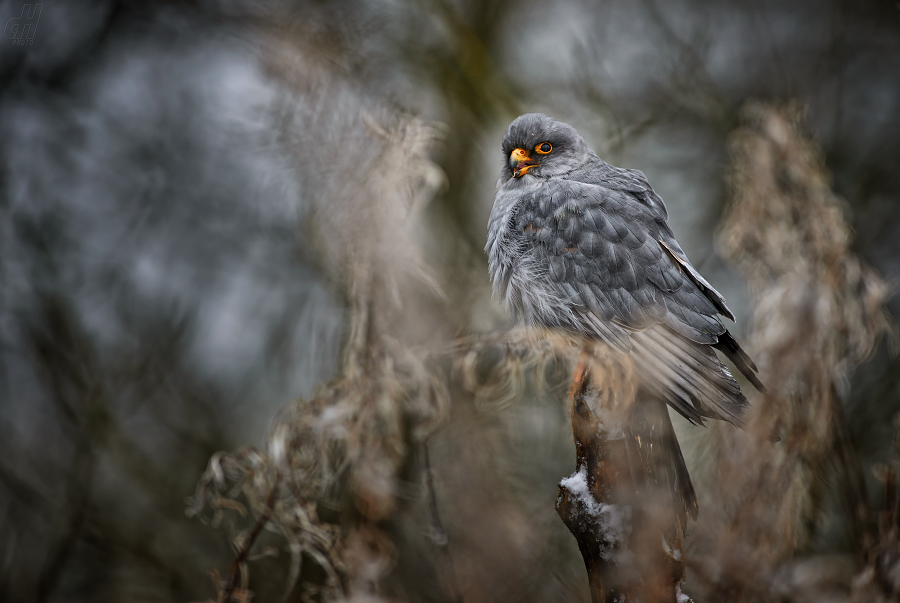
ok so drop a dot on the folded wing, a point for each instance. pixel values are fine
(607, 249)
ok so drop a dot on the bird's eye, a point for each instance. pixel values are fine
(544, 148)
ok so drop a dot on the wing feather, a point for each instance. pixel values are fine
(609, 252)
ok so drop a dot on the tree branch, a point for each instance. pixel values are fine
(629, 544)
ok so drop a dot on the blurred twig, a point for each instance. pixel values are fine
(439, 535)
(244, 552)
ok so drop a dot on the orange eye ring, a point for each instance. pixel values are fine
(543, 149)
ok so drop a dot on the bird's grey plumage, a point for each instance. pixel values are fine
(578, 244)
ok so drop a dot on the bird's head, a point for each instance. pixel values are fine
(540, 146)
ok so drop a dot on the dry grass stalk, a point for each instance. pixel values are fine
(818, 314)
(348, 443)
(879, 579)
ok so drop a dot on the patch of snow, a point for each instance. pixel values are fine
(578, 486)
(613, 522)
(680, 596)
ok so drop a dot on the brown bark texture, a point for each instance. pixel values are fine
(629, 539)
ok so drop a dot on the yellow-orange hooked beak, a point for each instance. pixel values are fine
(520, 162)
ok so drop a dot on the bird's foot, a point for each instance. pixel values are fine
(579, 376)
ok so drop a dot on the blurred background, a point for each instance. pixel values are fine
(211, 208)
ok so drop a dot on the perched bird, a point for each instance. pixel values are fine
(577, 244)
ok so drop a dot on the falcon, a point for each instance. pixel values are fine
(577, 244)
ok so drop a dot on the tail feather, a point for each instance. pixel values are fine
(687, 375)
(657, 464)
(729, 346)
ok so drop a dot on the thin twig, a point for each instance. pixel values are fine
(241, 558)
(439, 535)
